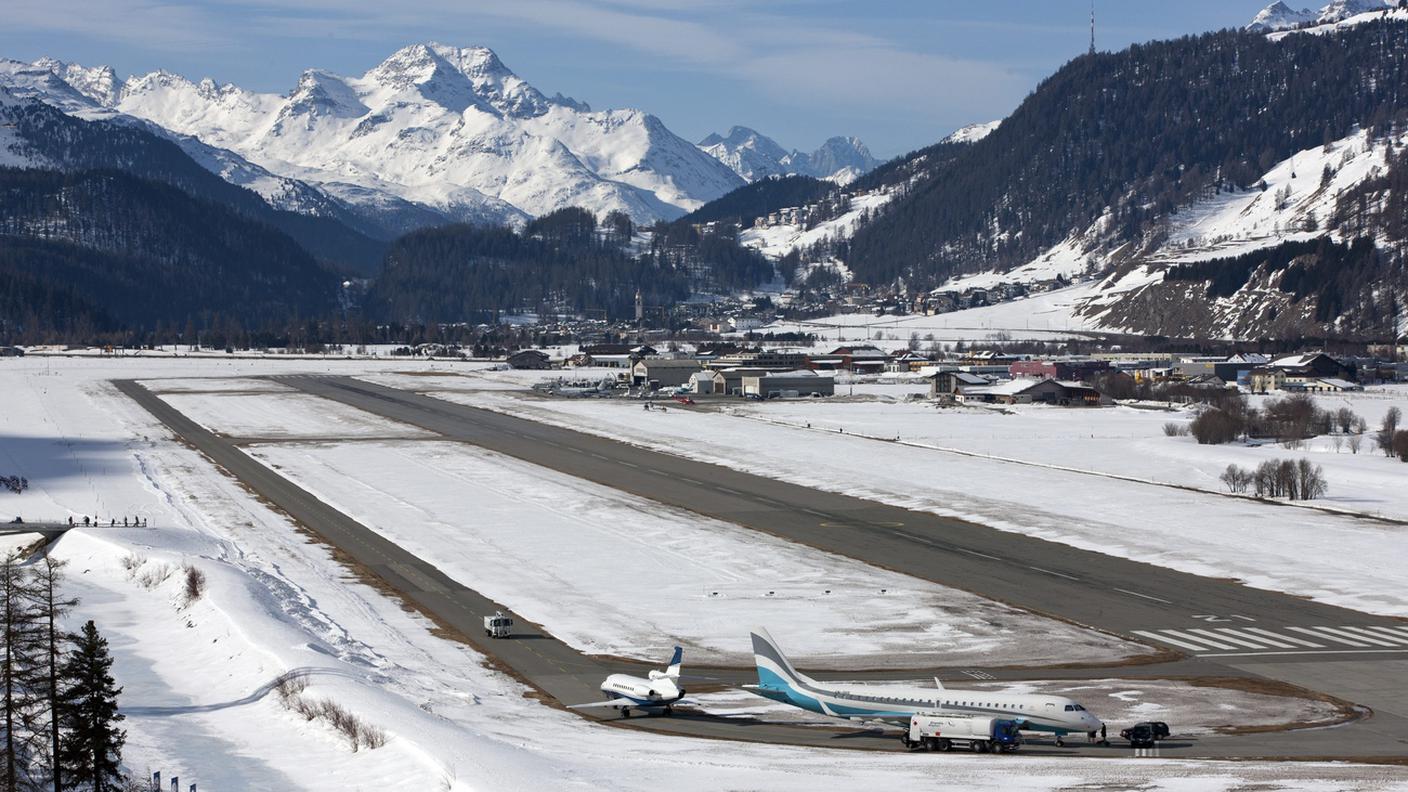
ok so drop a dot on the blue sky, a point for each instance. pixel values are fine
(897, 73)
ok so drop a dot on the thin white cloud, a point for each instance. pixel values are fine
(162, 26)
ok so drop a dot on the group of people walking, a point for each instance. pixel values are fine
(135, 522)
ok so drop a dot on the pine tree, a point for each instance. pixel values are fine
(90, 749)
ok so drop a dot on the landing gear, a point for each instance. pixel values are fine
(669, 710)
(625, 712)
(1060, 743)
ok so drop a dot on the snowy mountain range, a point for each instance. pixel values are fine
(1279, 16)
(432, 134)
(754, 156)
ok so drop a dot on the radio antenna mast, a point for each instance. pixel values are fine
(1092, 27)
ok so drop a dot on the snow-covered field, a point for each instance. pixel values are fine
(1304, 552)
(1190, 710)
(612, 573)
(1122, 440)
(1048, 316)
(196, 674)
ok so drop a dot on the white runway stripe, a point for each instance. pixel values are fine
(1293, 641)
(1375, 637)
(1267, 640)
(1230, 639)
(1172, 641)
(1318, 632)
(1198, 639)
(1393, 632)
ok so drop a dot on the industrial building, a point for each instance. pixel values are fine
(656, 373)
(788, 384)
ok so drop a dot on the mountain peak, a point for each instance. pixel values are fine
(98, 83)
(754, 156)
(458, 77)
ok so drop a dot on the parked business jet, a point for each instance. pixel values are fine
(779, 681)
(660, 690)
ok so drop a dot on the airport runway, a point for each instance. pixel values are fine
(1225, 628)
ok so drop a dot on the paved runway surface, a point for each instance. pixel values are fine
(1225, 628)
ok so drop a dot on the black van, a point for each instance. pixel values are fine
(1140, 735)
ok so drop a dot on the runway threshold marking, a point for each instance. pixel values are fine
(1236, 641)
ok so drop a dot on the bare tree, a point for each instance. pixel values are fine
(1287, 479)
(1310, 479)
(1236, 479)
(1400, 445)
(1387, 430)
(1355, 441)
(1345, 419)
(53, 606)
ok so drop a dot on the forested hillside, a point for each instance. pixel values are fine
(558, 263)
(1134, 135)
(747, 203)
(103, 246)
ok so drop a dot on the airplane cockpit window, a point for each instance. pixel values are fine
(1070, 708)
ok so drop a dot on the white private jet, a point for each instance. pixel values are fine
(660, 691)
(779, 681)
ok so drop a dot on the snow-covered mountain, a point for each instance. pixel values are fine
(972, 133)
(433, 128)
(754, 156)
(1279, 16)
(82, 92)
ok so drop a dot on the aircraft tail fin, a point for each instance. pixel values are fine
(676, 660)
(774, 669)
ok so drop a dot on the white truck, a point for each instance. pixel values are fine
(498, 625)
(977, 733)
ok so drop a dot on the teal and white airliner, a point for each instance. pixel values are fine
(779, 681)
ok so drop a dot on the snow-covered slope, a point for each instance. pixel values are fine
(972, 133)
(448, 128)
(778, 240)
(754, 156)
(1297, 202)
